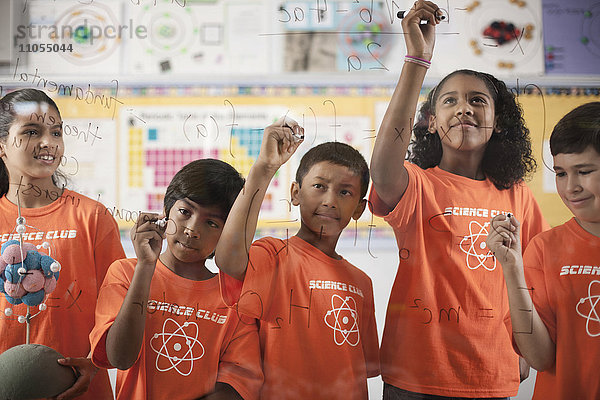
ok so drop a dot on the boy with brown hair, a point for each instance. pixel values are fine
(317, 324)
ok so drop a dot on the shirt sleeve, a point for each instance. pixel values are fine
(408, 198)
(369, 337)
(240, 361)
(107, 245)
(536, 281)
(110, 299)
(252, 297)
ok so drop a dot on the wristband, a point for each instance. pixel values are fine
(416, 60)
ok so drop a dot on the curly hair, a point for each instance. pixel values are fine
(507, 159)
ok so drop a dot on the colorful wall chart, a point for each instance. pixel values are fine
(572, 46)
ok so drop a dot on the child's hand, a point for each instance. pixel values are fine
(420, 38)
(147, 236)
(504, 239)
(85, 373)
(280, 140)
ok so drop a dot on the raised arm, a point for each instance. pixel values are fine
(279, 142)
(125, 336)
(529, 331)
(387, 170)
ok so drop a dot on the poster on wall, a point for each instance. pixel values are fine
(572, 46)
(156, 141)
(71, 38)
(88, 173)
(203, 37)
(501, 37)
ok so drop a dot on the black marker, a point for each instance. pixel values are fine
(161, 222)
(297, 136)
(401, 15)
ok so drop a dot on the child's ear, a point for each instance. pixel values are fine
(431, 128)
(360, 208)
(294, 192)
(496, 128)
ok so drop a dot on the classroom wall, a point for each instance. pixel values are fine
(144, 86)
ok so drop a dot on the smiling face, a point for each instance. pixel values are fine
(464, 115)
(578, 184)
(329, 196)
(192, 233)
(34, 145)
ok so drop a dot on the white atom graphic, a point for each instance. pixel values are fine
(170, 345)
(343, 319)
(592, 324)
(474, 258)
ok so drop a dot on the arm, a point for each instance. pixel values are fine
(529, 332)
(278, 145)
(389, 176)
(125, 336)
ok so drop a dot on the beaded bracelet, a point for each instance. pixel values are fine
(416, 60)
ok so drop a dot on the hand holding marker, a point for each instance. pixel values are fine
(439, 17)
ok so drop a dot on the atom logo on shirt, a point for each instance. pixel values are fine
(343, 319)
(592, 324)
(476, 248)
(175, 347)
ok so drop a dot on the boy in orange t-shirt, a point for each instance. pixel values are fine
(559, 334)
(160, 319)
(317, 325)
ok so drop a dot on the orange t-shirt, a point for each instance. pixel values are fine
(318, 333)
(445, 328)
(85, 241)
(191, 339)
(563, 268)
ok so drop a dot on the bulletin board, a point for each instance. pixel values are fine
(176, 38)
(127, 161)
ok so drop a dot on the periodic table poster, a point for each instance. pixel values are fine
(156, 141)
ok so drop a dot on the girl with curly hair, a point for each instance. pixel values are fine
(445, 333)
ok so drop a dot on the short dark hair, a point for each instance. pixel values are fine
(7, 117)
(207, 182)
(507, 158)
(336, 153)
(577, 130)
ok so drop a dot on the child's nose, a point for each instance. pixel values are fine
(329, 199)
(464, 108)
(190, 232)
(573, 185)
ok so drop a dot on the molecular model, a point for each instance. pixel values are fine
(26, 275)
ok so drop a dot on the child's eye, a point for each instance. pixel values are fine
(57, 133)
(318, 186)
(478, 100)
(183, 211)
(30, 132)
(346, 193)
(213, 224)
(560, 174)
(448, 100)
(585, 172)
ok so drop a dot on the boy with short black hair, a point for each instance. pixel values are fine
(560, 270)
(160, 319)
(317, 323)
